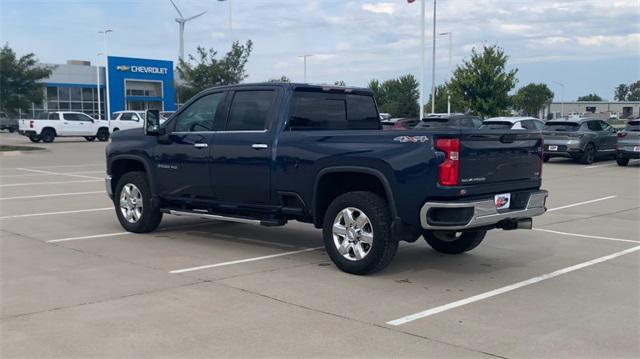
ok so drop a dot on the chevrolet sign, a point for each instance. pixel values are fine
(143, 69)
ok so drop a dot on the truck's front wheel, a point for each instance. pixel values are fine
(454, 242)
(357, 232)
(135, 210)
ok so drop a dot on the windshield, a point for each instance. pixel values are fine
(633, 126)
(496, 125)
(561, 126)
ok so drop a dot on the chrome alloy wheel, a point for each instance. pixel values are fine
(131, 203)
(352, 234)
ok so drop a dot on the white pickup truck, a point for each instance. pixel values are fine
(50, 125)
(124, 120)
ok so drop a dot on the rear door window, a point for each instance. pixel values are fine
(311, 110)
(126, 117)
(250, 110)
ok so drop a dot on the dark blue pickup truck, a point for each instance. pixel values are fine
(269, 153)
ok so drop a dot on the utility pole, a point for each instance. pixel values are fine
(98, 88)
(422, 59)
(106, 69)
(562, 98)
(433, 65)
(304, 57)
(450, 73)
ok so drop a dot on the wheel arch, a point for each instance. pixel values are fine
(121, 164)
(324, 192)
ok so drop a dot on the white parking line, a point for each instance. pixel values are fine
(57, 173)
(509, 288)
(60, 166)
(598, 166)
(53, 195)
(585, 235)
(54, 213)
(178, 271)
(581, 203)
(89, 237)
(47, 183)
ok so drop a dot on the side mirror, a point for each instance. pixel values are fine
(152, 123)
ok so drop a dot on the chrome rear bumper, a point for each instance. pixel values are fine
(484, 212)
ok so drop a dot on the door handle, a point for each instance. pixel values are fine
(200, 145)
(259, 146)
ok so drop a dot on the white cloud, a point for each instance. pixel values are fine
(380, 8)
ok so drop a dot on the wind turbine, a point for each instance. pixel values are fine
(181, 21)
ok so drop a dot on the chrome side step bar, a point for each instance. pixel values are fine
(215, 217)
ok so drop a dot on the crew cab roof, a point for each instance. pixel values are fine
(296, 86)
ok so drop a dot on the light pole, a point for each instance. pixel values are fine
(422, 50)
(562, 99)
(98, 87)
(433, 64)
(106, 73)
(304, 57)
(450, 72)
(230, 18)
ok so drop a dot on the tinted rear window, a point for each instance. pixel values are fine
(250, 110)
(332, 111)
(633, 126)
(439, 122)
(561, 126)
(497, 125)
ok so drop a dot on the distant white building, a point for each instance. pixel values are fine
(622, 110)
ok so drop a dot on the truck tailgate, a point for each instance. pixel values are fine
(489, 156)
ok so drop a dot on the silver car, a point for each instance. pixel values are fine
(628, 143)
(583, 139)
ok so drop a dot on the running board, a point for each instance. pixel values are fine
(226, 218)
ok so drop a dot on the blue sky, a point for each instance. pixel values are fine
(590, 45)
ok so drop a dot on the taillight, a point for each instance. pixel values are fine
(622, 134)
(31, 124)
(448, 175)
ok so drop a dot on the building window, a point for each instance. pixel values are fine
(52, 93)
(87, 94)
(63, 94)
(591, 109)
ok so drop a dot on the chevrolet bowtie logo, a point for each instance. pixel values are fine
(122, 68)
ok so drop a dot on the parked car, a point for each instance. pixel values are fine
(7, 123)
(513, 123)
(449, 121)
(583, 139)
(124, 120)
(628, 143)
(400, 124)
(50, 125)
(269, 153)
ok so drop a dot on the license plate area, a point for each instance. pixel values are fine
(552, 148)
(636, 148)
(502, 201)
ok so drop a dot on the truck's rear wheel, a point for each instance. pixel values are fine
(453, 242)
(90, 138)
(48, 135)
(134, 207)
(35, 138)
(357, 232)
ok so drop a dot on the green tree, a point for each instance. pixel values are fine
(621, 92)
(634, 92)
(483, 82)
(398, 97)
(204, 70)
(590, 97)
(19, 77)
(532, 98)
(282, 78)
(442, 91)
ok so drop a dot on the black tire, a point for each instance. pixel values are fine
(150, 217)
(383, 246)
(12, 130)
(588, 154)
(622, 161)
(48, 135)
(35, 138)
(103, 134)
(546, 158)
(90, 138)
(115, 130)
(454, 242)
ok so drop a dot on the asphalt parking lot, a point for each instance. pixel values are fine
(73, 284)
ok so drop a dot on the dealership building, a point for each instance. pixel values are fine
(134, 84)
(620, 109)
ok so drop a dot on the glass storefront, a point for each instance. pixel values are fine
(81, 99)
